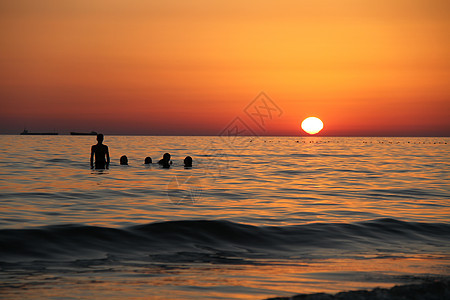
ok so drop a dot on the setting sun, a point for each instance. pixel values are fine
(312, 125)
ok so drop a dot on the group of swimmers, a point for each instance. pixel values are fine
(164, 162)
(102, 160)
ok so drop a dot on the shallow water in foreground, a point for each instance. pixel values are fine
(254, 218)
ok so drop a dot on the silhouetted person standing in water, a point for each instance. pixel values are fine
(101, 154)
(165, 161)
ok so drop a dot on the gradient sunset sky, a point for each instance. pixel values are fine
(190, 67)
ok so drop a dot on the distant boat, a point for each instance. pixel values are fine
(83, 133)
(26, 132)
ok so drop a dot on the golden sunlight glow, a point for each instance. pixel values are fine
(312, 125)
(339, 58)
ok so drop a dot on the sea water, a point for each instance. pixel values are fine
(255, 217)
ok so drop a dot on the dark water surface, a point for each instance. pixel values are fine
(254, 218)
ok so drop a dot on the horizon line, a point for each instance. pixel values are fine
(256, 136)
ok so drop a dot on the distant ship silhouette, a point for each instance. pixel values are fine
(26, 132)
(83, 133)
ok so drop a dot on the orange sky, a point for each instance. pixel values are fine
(190, 67)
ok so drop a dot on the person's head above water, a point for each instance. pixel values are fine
(188, 162)
(165, 161)
(166, 156)
(124, 160)
(148, 160)
(100, 138)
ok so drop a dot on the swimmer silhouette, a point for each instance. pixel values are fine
(148, 160)
(124, 160)
(101, 154)
(165, 162)
(188, 162)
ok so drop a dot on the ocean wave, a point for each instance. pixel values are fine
(220, 241)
